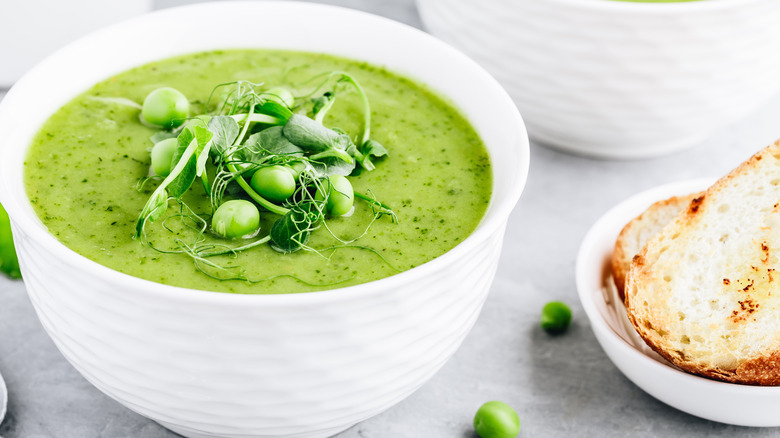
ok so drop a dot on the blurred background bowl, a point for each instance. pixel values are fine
(209, 364)
(617, 79)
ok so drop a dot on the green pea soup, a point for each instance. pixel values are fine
(83, 167)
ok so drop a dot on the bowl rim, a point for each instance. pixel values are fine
(3, 398)
(588, 259)
(643, 7)
(495, 217)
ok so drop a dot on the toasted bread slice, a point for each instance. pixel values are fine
(636, 233)
(705, 291)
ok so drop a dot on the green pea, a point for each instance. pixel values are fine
(165, 107)
(234, 219)
(280, 95)
(274, 183)
(496, 419)
(556, 317)
(340, 195)
(162, 156)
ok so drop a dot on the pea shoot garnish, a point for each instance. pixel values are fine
(258, 150)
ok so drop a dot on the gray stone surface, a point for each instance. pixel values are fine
(560, 386)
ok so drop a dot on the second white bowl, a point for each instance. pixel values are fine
(616, 79)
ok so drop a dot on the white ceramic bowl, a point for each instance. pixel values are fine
(616, 79)
(213, 364)
(717, 401)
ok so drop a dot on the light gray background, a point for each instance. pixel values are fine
(560, 386)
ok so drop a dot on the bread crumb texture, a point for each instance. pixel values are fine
(636, 233)
(705, 291)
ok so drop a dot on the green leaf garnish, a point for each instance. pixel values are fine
(179, 180)
(272, 141)
(225, 131)
(311, 136)
(291, 232)
(371, 148)
(154, 209)
(327, 166)
(192, 141)
(9, 264)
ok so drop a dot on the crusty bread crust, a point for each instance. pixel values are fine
(705, 291)
(638, 231)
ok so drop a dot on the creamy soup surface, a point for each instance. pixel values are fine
(83, 166)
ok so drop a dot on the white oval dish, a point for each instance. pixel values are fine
(730, 403)
(212, 364)
(618, 79)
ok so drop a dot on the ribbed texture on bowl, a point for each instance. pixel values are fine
(621, 80)
(259, 365)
